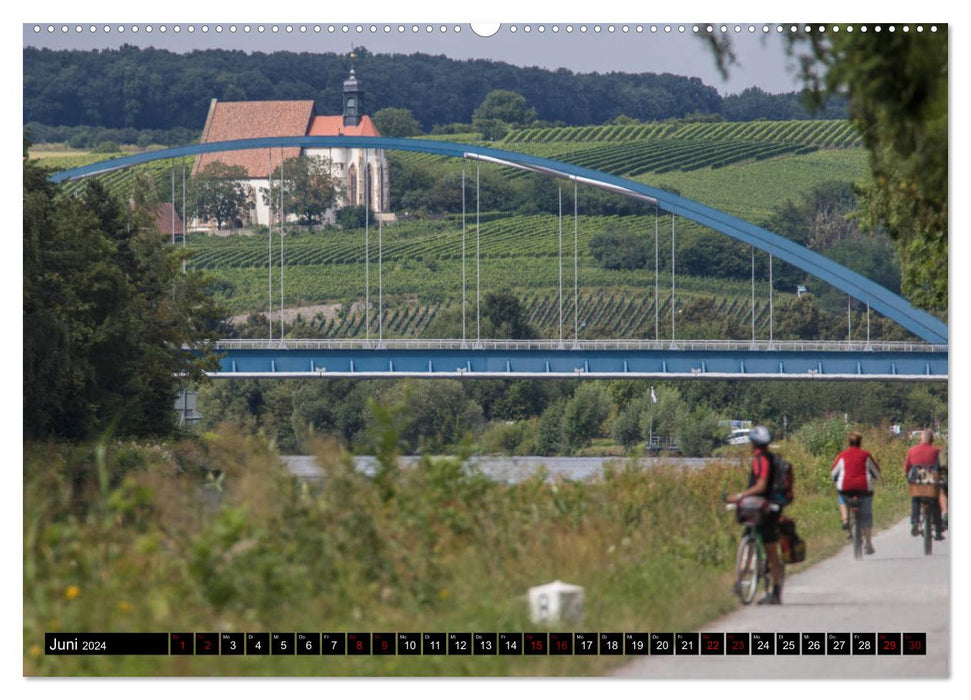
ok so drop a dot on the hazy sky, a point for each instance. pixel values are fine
(762, 60)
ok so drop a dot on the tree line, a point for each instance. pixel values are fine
(149, 88)
(535, 417)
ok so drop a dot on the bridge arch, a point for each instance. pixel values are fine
(881, 299)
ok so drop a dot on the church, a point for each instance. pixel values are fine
(361, 172)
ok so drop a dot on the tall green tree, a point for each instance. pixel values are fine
(396, 122)
(217, 193)
(506, 316)
(897, 90)
(506, 106)
(499, 110)
(584, 414)
(107, 313)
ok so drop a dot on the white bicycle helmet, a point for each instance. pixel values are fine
(760, 435)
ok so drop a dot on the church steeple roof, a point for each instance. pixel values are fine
(353, 99)
(352, 84)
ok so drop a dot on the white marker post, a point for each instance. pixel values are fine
(555, 602)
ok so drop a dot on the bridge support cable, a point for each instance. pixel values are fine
(657, 287)
(367, 258)
(463, 254)
(173, 203)
(478, 315)
(849, 320)
(283, 218)
(559, 187)
(269, 242)
(672, 280)
(576, 268)
(770, 301)
(868, 321)
(753, 295)
(183, 216)
(380, 282)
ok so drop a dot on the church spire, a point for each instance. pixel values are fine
(353, 99)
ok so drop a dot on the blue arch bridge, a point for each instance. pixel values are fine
(926, 360)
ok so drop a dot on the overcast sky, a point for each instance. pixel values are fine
(762, 59)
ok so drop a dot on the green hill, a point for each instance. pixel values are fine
(746, 168)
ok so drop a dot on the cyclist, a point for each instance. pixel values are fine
(760, 484)
(927, 456)
(853, 472)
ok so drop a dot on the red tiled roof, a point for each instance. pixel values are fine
(333, 125)
(247, 120)
(163, 220)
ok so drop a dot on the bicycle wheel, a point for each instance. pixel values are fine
(927, 526)
(747, 567)
(857, 534)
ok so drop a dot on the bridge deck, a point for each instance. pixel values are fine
(546, 359)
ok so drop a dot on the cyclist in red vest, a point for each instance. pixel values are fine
(854, 472)
(925, 455)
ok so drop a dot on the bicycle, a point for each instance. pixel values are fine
(926, 525)
(751, 561)
(924, 485)
(856, 530)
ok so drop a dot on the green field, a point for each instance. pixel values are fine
(824, 133)
(422, 273)
(751, 190)
(744, 168)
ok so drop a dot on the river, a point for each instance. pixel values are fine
(508, 469)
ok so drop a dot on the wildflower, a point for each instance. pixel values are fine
(72, 592)
(35, 651)
(124, 606)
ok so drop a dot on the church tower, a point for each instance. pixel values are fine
(353, 100)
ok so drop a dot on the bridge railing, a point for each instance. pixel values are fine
(582, 345)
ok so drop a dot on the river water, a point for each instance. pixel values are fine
(508, 469)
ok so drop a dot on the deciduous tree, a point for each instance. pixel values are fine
(309, 187)
(217, 193)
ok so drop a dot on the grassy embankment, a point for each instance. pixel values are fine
(134, 538)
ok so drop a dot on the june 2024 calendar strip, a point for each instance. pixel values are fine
(488, 643)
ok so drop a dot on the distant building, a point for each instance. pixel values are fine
(357, 171)
(167, 220)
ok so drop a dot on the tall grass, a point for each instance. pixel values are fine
(213, 535)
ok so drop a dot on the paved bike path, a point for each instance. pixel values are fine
(897, 589)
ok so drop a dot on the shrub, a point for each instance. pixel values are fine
(509, 437)
(549, 433)
(826, 436)
(584, 414)
(626, 428)
(619, 250)
(699, 433)
(107, 147)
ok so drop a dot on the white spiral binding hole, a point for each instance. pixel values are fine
(427, 29)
